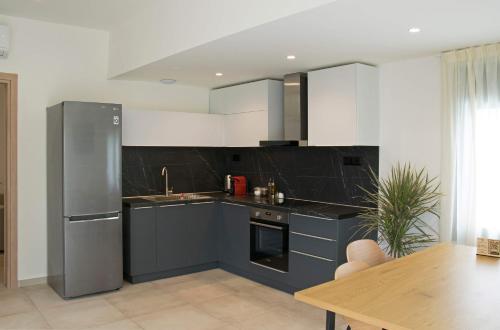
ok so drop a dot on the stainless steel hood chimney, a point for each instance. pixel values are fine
(295, 112)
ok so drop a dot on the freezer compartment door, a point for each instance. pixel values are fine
(92, 158)
(93, 259)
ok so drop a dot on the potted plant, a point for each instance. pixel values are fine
(403, 198)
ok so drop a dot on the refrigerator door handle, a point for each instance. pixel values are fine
(114, 215)
(96, 219)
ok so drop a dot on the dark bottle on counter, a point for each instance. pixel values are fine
(271, 188)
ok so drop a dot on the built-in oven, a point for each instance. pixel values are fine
(269, 239)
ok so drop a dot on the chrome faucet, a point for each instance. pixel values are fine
(164, 172)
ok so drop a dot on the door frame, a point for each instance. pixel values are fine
(10, 198)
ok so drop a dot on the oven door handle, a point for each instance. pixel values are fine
(265, 225)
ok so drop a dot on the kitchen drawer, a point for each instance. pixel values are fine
(306, 271)
(314, 226)
(317, 246)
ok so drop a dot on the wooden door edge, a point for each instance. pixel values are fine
(10, 198)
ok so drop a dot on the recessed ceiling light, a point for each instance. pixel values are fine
(219, 74)
(168, 81)
(414, 30)
(290, 57)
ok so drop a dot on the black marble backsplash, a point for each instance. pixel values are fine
(190, 169)
(333, 174)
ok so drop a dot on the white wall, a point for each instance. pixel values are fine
(169, 27)
(54, 63)
(410, 114)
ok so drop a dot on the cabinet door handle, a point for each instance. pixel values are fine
(142, 208)
(233, 204)
(199, 203)
(173, 205)
(311, 255)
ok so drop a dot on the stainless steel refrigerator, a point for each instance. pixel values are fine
(84, 198)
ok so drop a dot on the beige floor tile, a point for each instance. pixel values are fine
(199, 294)
(270, 295)
(120, 325)
(213, 275)
(45, 297)
(31, 320)
(14, 302)
(144, 302)
(176, 286)
(235, 308)
(239, 283)
(172, 280)
(182, 318)
(82, 314)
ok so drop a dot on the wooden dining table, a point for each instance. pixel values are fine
(443, 287)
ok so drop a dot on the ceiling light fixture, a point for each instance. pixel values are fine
(414, 30)
(168, 81)
(219, 74)
(290, 57)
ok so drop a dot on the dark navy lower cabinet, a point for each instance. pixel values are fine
(139, 241)
(317, 246)
(309, 270)
(201, 242)
(234, 235)
(172, 236)
(174, 239)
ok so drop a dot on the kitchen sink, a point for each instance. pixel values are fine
(175, 197)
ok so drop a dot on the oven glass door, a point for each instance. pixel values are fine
(269, 244)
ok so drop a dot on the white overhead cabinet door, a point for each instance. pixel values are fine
(165, 128)
(252, 112)
(343, 106)
(245, 129)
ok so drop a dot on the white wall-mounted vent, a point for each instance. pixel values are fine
(4, 41)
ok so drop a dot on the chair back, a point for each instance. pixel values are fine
(349, 268)
(345, 270)
(366, 250)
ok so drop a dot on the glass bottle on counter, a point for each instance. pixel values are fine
(271, 188)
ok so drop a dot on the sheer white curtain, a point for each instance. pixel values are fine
(471, 144)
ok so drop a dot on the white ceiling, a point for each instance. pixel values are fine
(96, 14)
(341, 32)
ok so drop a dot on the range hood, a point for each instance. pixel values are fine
(294, 112)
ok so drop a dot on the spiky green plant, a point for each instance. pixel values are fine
(403, 198)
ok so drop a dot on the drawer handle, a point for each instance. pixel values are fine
(311, 255)
(199, 203)
(276, 270)
(173, 205)
(233, 204)
(142, 208)
(312, 236)
(266, 225)
(314, 217)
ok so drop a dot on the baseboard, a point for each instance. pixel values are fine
(32, 281)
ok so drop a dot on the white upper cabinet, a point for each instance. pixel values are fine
(165, 128)
(252, 112)
(343, 106)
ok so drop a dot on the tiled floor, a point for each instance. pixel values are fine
(213, 299)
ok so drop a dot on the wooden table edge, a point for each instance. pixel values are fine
(302, 297)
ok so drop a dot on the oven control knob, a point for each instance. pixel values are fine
(279, 217)
(257, 214)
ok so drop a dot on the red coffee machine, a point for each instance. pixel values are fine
(240, 185)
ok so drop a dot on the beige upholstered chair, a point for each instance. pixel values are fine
(344, 271)
(366, 250)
